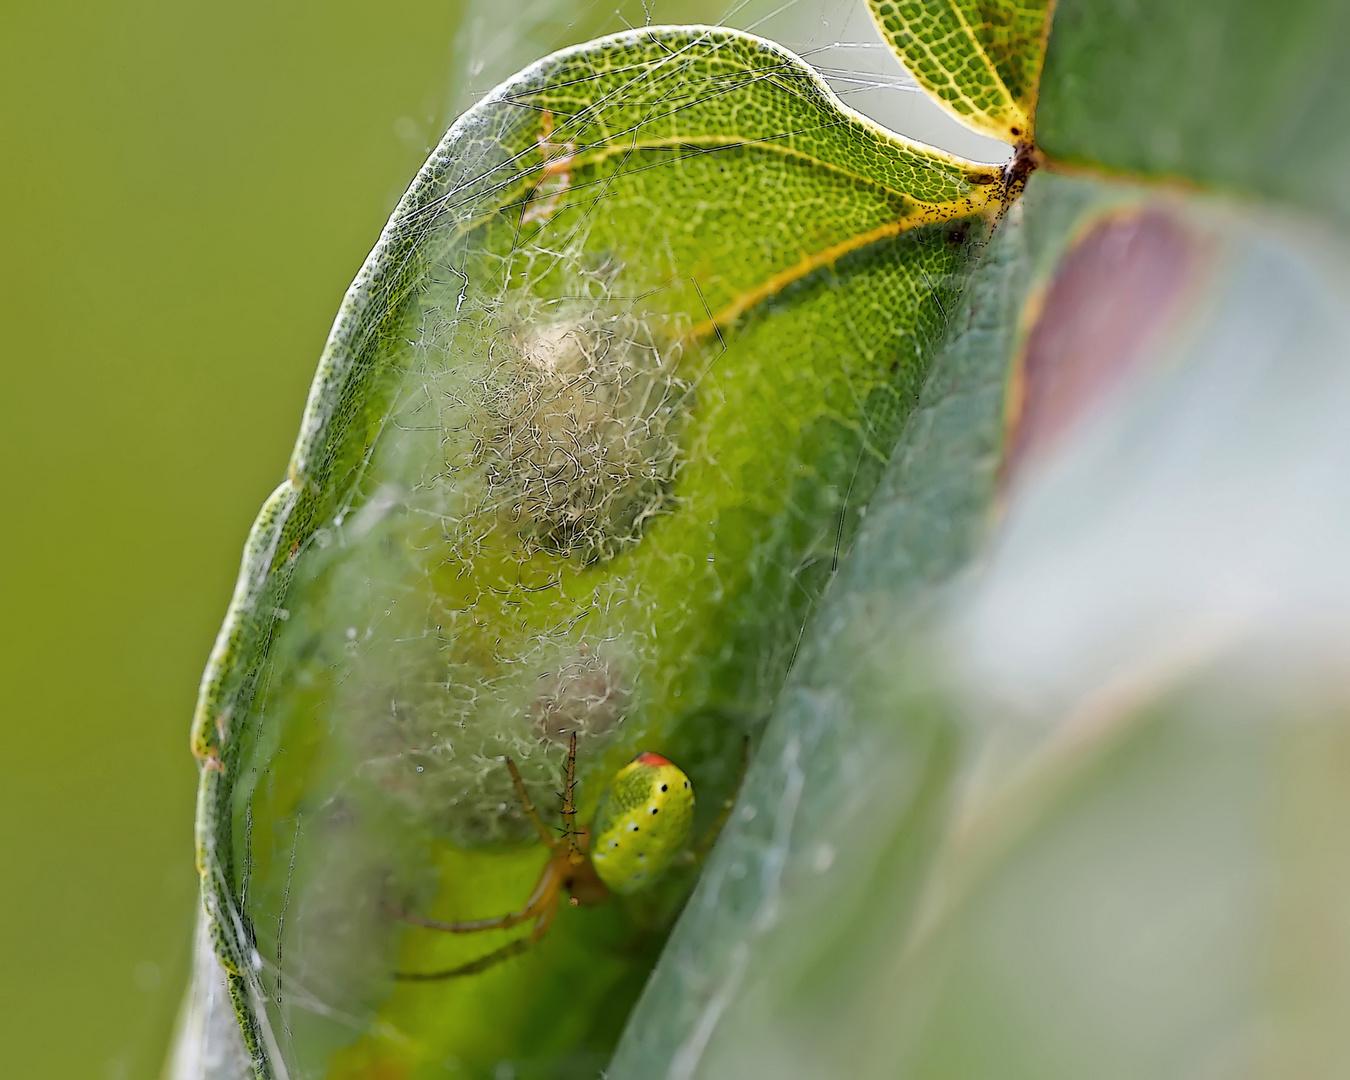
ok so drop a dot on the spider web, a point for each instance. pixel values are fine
(546, 324)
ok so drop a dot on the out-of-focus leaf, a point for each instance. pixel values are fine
(1054, 790)
(834, 753)
(594, 424)
(980, 59)
(1242, 95)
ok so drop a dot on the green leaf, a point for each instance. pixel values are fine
(1241, 95)
(1049, 791)
(838, 759)
(592, 429)
(979, 59)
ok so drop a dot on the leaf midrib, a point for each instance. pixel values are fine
(978, 198)
(728, 142)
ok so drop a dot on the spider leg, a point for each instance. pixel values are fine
(473, 967)
(542, 906)
(528, 806)
(543, 902)
(544, 898)
(569, 809)
(466, 926)
(545, 920)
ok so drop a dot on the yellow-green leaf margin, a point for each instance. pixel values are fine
(980, 59)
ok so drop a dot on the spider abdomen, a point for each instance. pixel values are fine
(642, 822)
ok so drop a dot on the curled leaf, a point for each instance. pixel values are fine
(590, 434)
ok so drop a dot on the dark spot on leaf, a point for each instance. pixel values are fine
(1111, 296)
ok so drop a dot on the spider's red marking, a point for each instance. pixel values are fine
(654, 760)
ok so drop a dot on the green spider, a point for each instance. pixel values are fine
(641, 824)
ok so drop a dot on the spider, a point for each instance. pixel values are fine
(641, 824)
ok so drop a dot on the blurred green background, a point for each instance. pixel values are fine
(186, 191)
